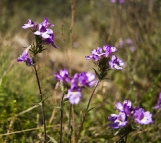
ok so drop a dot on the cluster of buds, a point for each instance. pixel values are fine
(104, 60)
(43, 36)
(129, 115)
(72, 86)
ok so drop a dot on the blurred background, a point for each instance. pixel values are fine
(133, 27)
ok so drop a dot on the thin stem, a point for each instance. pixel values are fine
(86, 112)
(61, 117)
(126, 139)
(69, 123)
(42, 106)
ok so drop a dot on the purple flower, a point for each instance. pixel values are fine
(24, 57)
(75, 84)
(50, 40)
(81, 80)
(74, 96)
(116, 63)
(129, 41)
(96, 54)
(126, 107)
(159, 102)
(121, 43)
(30, 24)
(63, 76)
(43, 32)
(142, 117)
(120, 1)
(108, 50)
(45, 23)
(46, 34)
(118, 120)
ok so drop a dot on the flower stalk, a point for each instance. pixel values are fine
(86, 112)
(61, 118)
(42, 104)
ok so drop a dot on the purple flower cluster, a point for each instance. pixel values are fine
(42, 30)
(127, 42)
(75, 84)
(120, 1)
(24, 57)
(128, 114)
(105, 52)
(159, 102)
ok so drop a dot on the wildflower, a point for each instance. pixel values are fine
(116, 63)
(96, 54)
(74, 96)
(83, 79)
(129, 42)
(101, 58)
(24, 57)
(120, 1)
(45, 23)
(118, 121)
(75, 84)
(43, 31)
(46, 34)
(121, 43)
(30, 24)
(126, 107)
(108, 50)
(142, 117)
(129, 115)
(62, 76)
(159, 102)
(50, 40)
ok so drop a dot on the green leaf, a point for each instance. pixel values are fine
(52, 140)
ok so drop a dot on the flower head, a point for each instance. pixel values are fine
(75, 84)
(120, 1)
(24, 57)
(30, 24)
(129, 115)
(50, 40)
(126, 107)
(109, 50)
(84, 79)
(46, 34)
(159, 102)
(62, 76)
(45, 23)
(74, 96)
(142, 117)
(96, 54)
(118, 121)
(116, 63)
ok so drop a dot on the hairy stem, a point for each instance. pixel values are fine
(61, 117)
(42, 106)
(86, 112)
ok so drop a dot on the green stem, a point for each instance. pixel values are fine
(42, 106)
(86, 112)
(61, 117)
(69, 123)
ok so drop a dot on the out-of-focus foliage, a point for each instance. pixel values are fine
(96, 23)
